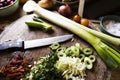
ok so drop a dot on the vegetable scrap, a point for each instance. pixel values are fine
(62, 63)
(15, 69)
(39, 23)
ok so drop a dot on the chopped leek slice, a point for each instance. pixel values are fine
(88, 63)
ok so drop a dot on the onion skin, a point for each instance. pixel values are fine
(65, 10)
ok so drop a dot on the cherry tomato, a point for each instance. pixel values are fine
(76, 18)
(84, 22)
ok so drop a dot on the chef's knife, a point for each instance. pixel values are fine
(35, 43)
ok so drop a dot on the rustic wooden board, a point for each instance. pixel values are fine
(18, 30)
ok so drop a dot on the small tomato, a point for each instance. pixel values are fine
(76, 18)
(84, 22)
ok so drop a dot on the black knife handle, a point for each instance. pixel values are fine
(5, 46)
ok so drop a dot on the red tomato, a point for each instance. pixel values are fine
(84, 22)
(76, 18)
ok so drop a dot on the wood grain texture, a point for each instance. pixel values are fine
(18, 30)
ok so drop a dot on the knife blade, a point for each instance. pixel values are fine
(35, 43)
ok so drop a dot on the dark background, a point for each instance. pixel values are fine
(96, 8)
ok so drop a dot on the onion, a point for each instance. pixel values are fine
(65, 10)
(47, 4)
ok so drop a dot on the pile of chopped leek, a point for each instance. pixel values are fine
(63, 63)
(110, 56)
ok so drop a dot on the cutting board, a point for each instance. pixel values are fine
(18, 30)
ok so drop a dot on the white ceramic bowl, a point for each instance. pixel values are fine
(110, 24)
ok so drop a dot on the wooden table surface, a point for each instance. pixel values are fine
(21, 31)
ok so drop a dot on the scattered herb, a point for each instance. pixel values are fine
(44, 69)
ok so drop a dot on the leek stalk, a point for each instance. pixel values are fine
(38, 23)
(44, 26)
(110, 60)
(110, 39)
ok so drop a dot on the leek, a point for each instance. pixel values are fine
(112, 61)
(92, 58)
(82, 56)
(110, 39)
(44, 26)
(88, 63)
(55, 46)
(87, 51)
(38, 23)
